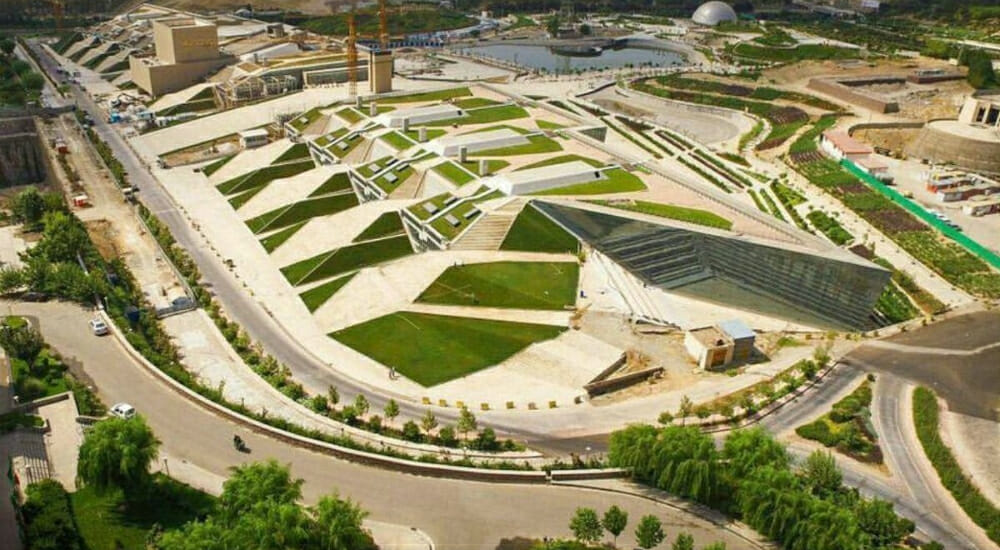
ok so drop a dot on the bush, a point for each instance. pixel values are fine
(48, 519)
(818, 431)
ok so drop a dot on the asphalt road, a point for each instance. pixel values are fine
(456, 514)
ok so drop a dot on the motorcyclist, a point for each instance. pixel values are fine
(237, 441)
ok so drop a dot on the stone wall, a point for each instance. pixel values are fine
(22, 160)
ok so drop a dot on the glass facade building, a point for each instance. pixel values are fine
(827, 288)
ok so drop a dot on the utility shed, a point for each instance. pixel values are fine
(742, 336)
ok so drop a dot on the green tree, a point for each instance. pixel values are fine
(338, 523)
(649, 533)
(333, 395)
(428, 422)
(552, 26)
(7, 46)
(116, 454)
(27, 207)
(685, 408)
(666, 417)
(820, 473)
(446, 436)
(684, 541)
(361, 405)
(23, 342)
(586, 526)
(715, 546)
(257, 482)
(747, 450)
(391, 409)
(48, 519)
(981, 74)
(614, 521)
(466, 422)
(411, 432)
(877, 518)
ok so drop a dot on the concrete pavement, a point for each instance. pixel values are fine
(454, 513)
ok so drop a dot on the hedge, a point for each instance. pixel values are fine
(978, 507)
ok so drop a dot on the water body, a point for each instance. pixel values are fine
(544, 57)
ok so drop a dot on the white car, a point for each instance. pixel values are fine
(98, 326)
(122, 410)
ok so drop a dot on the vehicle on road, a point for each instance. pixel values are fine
(122, 410)
(98, 326)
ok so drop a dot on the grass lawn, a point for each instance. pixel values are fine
(618, 181)
(350, 114)
(384, 184)
(451, 172)
(210, 169)
(533, 232)
(327, 139)
(295, 152)
(561, 159)
(318, 295)
(263, 176)
(385, 225)
(302, 211)
(536, 144)
(278, 238)
(103, 519)
(805, 51)
(336, 151)
(239, 200)
(459, 212)
(494, 165)
(397, 141)
(348, 258)
(680, 213)
(433, 349)
(337, 182)
(438, 95)
(420, 212)
(473, 102)
(432, 133)
(546, 125)
(522, 285)
(303, 121)
(484, 115)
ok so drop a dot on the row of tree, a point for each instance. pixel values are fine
(588, 529)
(753, 478)
(18, 81)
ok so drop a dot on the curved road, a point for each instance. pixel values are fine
(456, 514)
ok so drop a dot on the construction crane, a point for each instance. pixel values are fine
(383, 25)
(57, 13)
(352, 53)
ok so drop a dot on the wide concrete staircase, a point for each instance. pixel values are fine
(489, 232)
(637, 297)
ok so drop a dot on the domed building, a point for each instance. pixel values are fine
(712, 13)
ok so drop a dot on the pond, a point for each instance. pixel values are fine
(545, 58)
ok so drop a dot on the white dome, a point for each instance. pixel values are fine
(713, 13)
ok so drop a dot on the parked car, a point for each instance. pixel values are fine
(122, 410)
(98, 326)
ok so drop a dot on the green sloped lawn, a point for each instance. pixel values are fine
(385, 225)
(523, 285)
(318, 295)
(300, 211)
(348, 258)
(433, 349)
(533, 232)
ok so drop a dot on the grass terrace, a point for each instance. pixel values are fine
(532, 231)
(397, 141)
(350, 114)
(336, 183)
(439, 202)
(438, 95)
(350, 144)
(452, 172)
(474, 102)
(327, 139)
(790, 55)
(347, 259)
(433, 349)
(242, 188)
(547, 125)
(318, 295)
(536, 144)
(562, 159)
(521, 285)
(461, 216)
(384, 182)
(679, 213)
(297, 151)
(618, 180)
(494, 165)
(303, 121)
(386, 225)
(210, 169)
(278, 238)
(301, 211)
(484, 115)
(432, 133)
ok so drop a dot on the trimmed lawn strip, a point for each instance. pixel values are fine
(484, 115)
(619, 181)
(295, 152)
(536, 144)
(336, 183)
(238, 201)
(451, 172)
(303, 210)
(263, 176)
(493, 165)
(304, 120)
(420, 212)
(317, 296)
(473, 102)
(894, 305)
(438, 95)
(385, 225)
(532, 231)
(433, 349)
(978, 507)
(210, 169)
(350, 114)
(348, 258)
(830, 227)
(798, 53)
(389, 186)
(546, 125)
(680, 213)
(520, 285)
(459, 212)
(561, 159)
(432, 133)
(397, 141)
(274, 240)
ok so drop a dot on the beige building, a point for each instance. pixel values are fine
(186, 50)
(981, 108)
(380, 69)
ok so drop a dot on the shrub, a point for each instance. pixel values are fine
(49, 523)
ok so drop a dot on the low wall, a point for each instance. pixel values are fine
(844, 92)
(614, 384)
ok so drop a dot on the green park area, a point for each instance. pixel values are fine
(536, 144)
(616, 180)
(523, 285)
(336, 182)
(278, 238)
(679, 213)
(397, 141)
(450, 171)
(437, 95)
(301, 211)
(484, 115)
(533, 232)
(242, 188)
(802, 52)
(346, 259)
(318, 295)
(433, 349)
